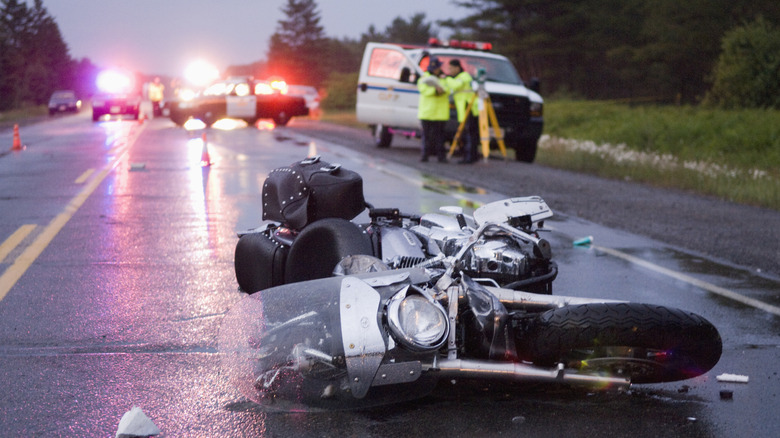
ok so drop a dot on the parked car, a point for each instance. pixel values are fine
(64, 101)
(115, 104)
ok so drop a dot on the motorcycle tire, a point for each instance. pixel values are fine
(647, 343)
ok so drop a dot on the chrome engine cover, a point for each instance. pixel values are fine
(400, 244)
(497, 258)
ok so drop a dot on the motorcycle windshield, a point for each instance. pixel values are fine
(318, 345)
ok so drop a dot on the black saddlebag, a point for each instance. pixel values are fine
(260, 261)
(312, 189)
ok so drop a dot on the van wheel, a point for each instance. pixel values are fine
(382, 136)
(525, 150)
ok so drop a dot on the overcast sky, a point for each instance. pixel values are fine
(163, 36)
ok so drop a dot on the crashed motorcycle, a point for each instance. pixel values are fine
(308, 209)
(364, 339)
(346, 319)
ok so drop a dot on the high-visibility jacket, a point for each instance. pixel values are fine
(433, 106)
(156, 92)
(462, 94)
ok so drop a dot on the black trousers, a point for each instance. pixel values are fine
(471, 141)
(433, 139)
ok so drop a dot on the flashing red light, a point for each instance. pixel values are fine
(458, 44)
(279, 85)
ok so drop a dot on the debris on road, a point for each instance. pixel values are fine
(732, 378)
(135, 423)
(583, 241)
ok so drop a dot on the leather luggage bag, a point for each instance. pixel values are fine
(259, 262)
(309, 190)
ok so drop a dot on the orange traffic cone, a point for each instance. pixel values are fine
(141, 117)
(17, 146)
(205, 160)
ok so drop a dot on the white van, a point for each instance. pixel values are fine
(387, 95)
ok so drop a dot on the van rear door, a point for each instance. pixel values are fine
(387, 90)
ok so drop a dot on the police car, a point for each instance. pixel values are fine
(387, 96)
(118, 95)
(239, 98)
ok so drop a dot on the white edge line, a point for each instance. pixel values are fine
(709, 287)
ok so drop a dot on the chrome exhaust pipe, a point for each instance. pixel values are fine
(523, 373)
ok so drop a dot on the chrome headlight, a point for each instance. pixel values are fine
(417, 322)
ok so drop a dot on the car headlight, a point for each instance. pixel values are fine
(536, 109)
(417, 322)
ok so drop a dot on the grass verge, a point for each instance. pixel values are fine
(22, 116)
(734, 155)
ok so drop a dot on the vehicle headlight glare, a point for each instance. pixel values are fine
(418, 323)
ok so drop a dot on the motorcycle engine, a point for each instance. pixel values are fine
(501, 259)
(498, 257)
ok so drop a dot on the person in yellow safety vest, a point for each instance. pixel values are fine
(459, 81)
(156, 92)
(433, 110)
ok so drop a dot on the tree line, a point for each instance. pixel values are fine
(665, 50)
(34, 59)
(722, 52)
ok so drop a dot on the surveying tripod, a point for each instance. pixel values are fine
(487, 119)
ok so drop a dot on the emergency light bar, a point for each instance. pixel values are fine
(457, 44)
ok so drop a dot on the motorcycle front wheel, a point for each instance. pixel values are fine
(646, 343)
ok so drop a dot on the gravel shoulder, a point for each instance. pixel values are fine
(739, 235)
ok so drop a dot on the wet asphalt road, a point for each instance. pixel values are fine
(116, 293)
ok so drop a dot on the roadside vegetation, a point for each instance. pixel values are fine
(731, 154)
(22, 116)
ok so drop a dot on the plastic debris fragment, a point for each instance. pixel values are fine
(583, 241)
(135, 423)
(732, 378)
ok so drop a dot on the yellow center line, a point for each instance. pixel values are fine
(709, 287)
(15, 239)
(31, 253)
(84, 176)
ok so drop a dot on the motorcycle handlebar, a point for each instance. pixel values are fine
(390, 214)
